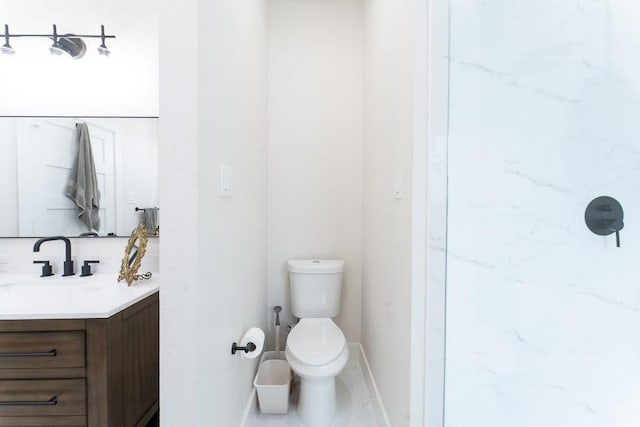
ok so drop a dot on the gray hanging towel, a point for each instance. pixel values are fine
(150, 219)
(82, 186)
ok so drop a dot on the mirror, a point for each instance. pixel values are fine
(133, 253)
(37, 155)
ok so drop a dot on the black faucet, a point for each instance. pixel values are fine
(68, 263)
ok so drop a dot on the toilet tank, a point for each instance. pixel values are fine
(316, 287)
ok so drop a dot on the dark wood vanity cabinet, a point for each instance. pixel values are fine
(82, 372)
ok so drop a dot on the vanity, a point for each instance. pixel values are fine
(79, 352)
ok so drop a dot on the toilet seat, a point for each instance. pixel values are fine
(315, 342)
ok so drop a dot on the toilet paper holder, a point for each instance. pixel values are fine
(247, 348)
(250, 345)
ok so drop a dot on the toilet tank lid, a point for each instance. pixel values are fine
(315, 266)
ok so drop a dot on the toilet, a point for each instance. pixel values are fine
(316, 348)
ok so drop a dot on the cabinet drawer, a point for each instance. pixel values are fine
(42, 398)
(41, 350)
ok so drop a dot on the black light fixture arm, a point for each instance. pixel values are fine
(6, 34)
(69, 43)
(54, 34)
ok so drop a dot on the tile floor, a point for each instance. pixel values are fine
(355, 404)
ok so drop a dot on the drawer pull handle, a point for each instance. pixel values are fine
(52, 353)
(50, 402)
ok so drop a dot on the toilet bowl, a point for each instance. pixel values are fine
(317, 352)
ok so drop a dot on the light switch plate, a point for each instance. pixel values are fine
(226, 187)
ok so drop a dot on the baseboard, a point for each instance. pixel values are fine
(381, 414)
(251, 410)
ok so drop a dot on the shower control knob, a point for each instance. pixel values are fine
(604, 216)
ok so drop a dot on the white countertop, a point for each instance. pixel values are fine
(75, 297)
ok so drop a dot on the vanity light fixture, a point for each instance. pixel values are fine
(71, 44)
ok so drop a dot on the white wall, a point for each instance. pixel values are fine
(37, 83)
(180, 332)
(387, 239)
(214, 252)
(233, 232)
(315, 146)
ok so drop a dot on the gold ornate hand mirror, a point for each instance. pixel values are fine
(133, 253)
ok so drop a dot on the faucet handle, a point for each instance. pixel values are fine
(86, 268)
(46, 268)
(68, 268)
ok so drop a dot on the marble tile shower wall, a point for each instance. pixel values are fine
(543, 317)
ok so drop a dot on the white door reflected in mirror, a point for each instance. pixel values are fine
(36, 154)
